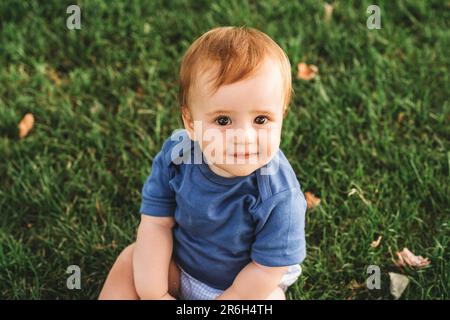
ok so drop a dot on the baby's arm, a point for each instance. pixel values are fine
(151, 258)
(254, 282)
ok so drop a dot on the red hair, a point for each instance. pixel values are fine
(235, 53)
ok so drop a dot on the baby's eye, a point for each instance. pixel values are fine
(261, 119)
(223, 121)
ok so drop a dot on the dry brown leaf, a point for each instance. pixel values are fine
(25, 125)
(376, 243)
(53, 75)
(407, 258)
(398, 284)
(328, 11)
(354, 285)
(360, 195)
(139, 92)
(311, 200)
(306, 71)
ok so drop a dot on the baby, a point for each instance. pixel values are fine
(222, 212)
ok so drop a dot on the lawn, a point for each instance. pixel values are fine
(369, 136)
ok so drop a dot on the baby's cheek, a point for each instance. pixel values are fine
(269, 142)
(211, 136)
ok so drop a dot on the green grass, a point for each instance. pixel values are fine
(70, 191)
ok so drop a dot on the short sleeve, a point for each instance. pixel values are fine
(280, 232)
(158, 199)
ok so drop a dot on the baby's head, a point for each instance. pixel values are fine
(235, 87)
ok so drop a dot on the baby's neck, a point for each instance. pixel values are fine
(220, 172)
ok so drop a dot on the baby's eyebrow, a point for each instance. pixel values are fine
(258, 111)
(218, 112)
(267, 112)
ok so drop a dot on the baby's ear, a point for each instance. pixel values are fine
(188, 122)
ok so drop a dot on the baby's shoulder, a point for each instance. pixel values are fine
(177, 149)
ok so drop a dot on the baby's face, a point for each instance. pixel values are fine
(239, 126)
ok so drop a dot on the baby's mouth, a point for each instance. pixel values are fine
(244, 155)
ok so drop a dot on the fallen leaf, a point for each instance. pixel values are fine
(398, 284)
(328, 11)
(311, 200)
(360, 194)
(354, 285)
(139, 92)
(25, 125)
(53, 75)
(306, 71)
(376, 243)
(407, 258)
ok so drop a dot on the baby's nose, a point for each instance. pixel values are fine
(244, 140)
(245, 136)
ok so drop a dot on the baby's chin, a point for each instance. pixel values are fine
(241, 170)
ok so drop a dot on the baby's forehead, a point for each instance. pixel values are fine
(260, 81)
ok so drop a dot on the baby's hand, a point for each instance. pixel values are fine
(167, 296)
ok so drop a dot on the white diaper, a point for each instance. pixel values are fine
(193, 289)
